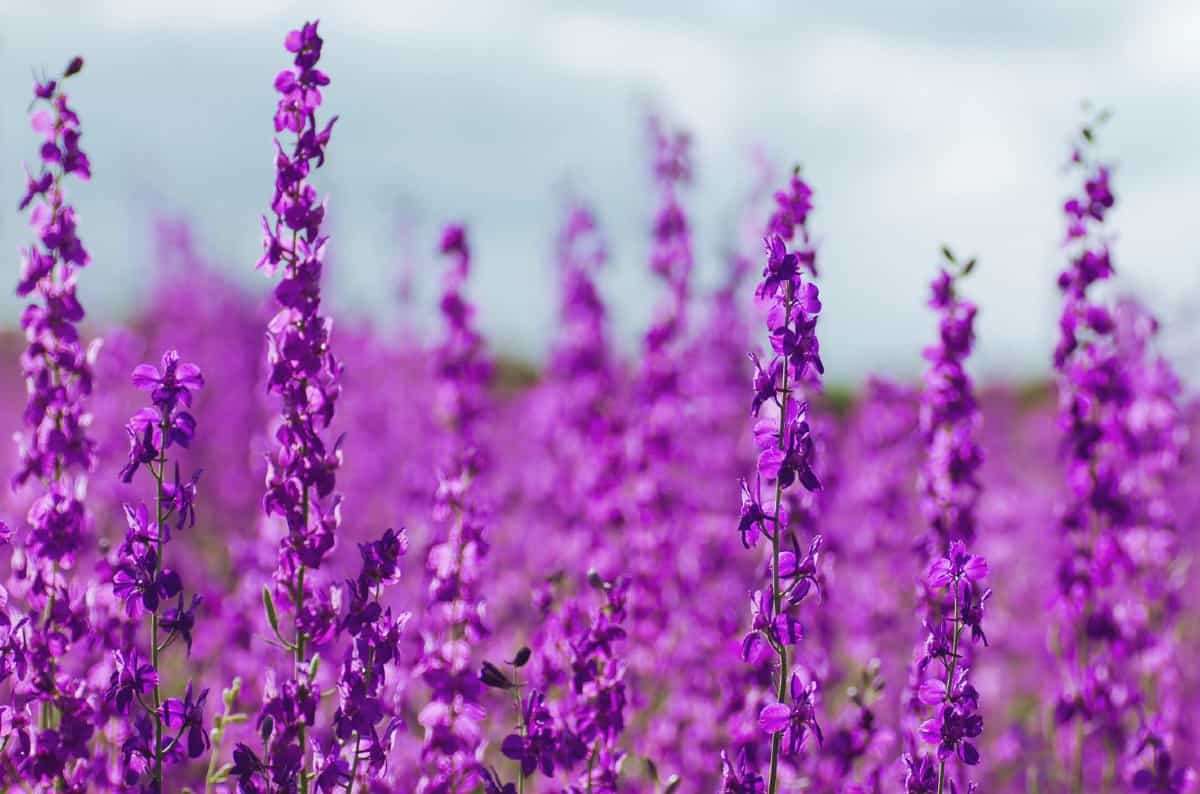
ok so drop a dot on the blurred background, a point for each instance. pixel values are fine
(917, 124)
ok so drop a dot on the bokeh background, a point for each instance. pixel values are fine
(917, 123)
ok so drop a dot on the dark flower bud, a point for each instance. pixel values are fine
(492, 676)
(74, 67)
(268, 727)
(522, 657)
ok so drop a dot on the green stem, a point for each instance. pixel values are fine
(776, 596)
(1083, 651)
(520, 730)
(950, 677)
(357, 738)
(159, 499)
(299, 660)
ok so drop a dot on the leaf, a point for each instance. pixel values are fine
(221, 774)
(272, 615)
(948, 254)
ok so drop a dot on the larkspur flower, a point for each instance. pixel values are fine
(455, 620)
(796, 720)
(56, 450)
(952, 595)
(304, 375)
(141, 579)
(376, 633)
(786, 457)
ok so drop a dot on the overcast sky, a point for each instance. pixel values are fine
(917, 122)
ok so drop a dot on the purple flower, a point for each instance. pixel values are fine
(951, 599)
(185, 717)
(920, 775)
(56, 451)
(170, 384)
(252, 775)
(453, 564)
(786, 455)
(794, 720)
(950, 729)
(536, 746)
(753, 517)
(381, 558)
(492, 784)
(131, 678)
(742, 779)
(956, 567)
(179, 622)
(142, 583)
(304, 376)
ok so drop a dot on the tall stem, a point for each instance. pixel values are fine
(1083, 651)
(776, 596)
(158, 567)
(950, 677)
(357, 738)
(299, 659)
(521, 732)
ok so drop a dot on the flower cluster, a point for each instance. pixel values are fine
(1119, 418)
(56, 364)
(1094, 393)
(56, 451)
(376, 633)
(144, 583)
(578, 733)
(593, 708)
(956, 722)
(304, 375)
(786, 457)
(952, 597)
(949, 418)
(583, 430)
(454, 623)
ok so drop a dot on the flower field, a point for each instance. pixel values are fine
(256, 547)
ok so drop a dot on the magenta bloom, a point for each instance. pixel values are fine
(795, 720)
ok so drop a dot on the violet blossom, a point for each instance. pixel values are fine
(786, 457)
(304, 375)
(454, 622)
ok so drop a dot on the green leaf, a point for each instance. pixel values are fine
(221, 774)
(272, 615)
